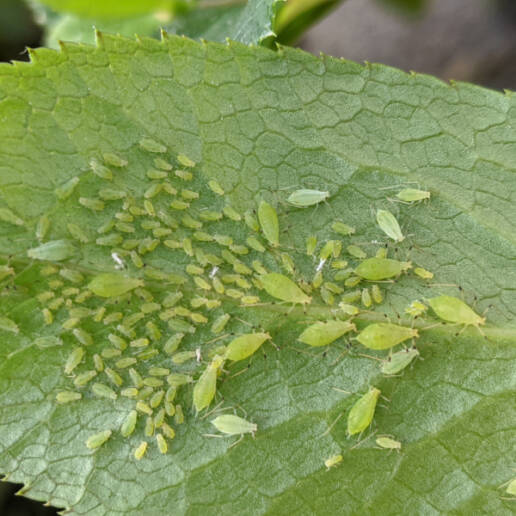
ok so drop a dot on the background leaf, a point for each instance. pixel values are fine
(263, 123)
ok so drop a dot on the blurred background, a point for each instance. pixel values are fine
(468, 40)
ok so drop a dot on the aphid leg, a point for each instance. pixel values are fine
(246, 368)
(213, 435)
(360, 442)
(329, 429)
(236, 442)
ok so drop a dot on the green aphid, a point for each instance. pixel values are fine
(215, 187)
(210, 216)
(140, 450)
(323, 333)
(161, 443)
(352, 281)
(342, 229)
(159, 371)
(161, 163)
(245, 345)
(339, 264)
(367, 301)
(71, 275)
(385, 335)
(220, 323)
(311, 244)
(124, 227)
(269, 223)
(376, 293)
(288, 263)
(178, 379)
(356, 252)
(136, 378)
(130, 320)
(106, 227)
(159, 418)
(416, 308)
(187, 246)
(185, 161)
(332, 287)
(231, 213)
(190, 222)
(152, 146)
(173, 343)
(83, 336)
(91, 204)
(65, 190)
(113, 376)
(224, 240)
(67, 397)
(388, 443)
(423, 273)
(327, 296)
(84, 378)
(97, 440)
(376, 269)
(152, 331)
(145, 393)
(317, 280)
(452, 309)
(143, 407)
(511, 487)
(142, 342)
(156, 399)
(149, 427)
(112, 317)
(332, 461)
(42, 227)
(5, 271)
(412, 195)
(306, 197)
(251, 221)
(48, 341)
(114, 160)
(202, 236)
(343, 274)
(110, 240)
(54, 250)
(136, 259)
(125, 362)
(98, 362)
(249, 300)
(168, 188)
(111, 194)
(398, 361)
(73, 360)
(156, 174)
(83, 296)
(129, 423)
(389, 225)
(348, 309)
(234, 293)
(181, 326)
(382, 252)
(255, 244)
(206, 385)
(100, 170)
(241, 268)
(233, 425)
(362, 413)
(283, 288)
(111, 284)
(152, 191)
(239, 249)
(327, 250)
(184, 175)
(7, 324)
(110, 353)
(103, 391)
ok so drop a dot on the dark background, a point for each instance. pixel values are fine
(468, 40)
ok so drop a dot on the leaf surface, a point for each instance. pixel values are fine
(262, 124)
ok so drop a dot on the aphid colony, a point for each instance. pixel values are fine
(165, 325)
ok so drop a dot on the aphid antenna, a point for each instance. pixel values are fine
(507, 498)
(330, 428)
(213, 435)
(342, 390)
(363, 440)
(370, 356)
(437, 325)
(215, 409)
(246, 368)
(217, 338)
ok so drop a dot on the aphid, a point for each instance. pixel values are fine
(184, 175)
(239, 249)
(234, 293)
(389, 225)
(156, 399)
(366, 298)
(332, 461)
(231, 213)
(306, 197)
(194, 269)
(84, 378)
(352, 281)
(124, 227)
(100, 170)
(375, 269)
(162, 444)
(139, 452)
(342, 229)
(269, 223)
(136, 378)
(288, 263)
(161, 163)
(152, 382)
(91, 204)
(220, 323)
(152, 146)
(511, 487)
(55, 304)
(130, 392)
(245, 345)
(348, 309)
(173, 343)
(167, 430)
(111, 240)
(355, 251)
(327, 296)
(54, 250)
(327, 250)
(233, 425)
(255, 244)
(149, 427)
(179, 417)
(83, 296)
(202, 283)
(176, 204)
(159, 418)
(454, 310)
(198, 318)
(110, 194)
(206, 385)
(423, 273)
(111, 284)
(412, 195)
(324, 333)
(125, 362)
(332, 287)
(7, 324)
(140, 343)
(71, 275)
(339, 264)
(98, 362)
(251, 221)
(361, 414)
(399, 360)
(177, 379)
(156, 174)
(187, 246)
(107, 226)
(68, 396)
(210, 216)
(249, 300)
(5, 271)
(42, 227)
(114, 160)
(141, 406)
(258, 267)
(181, 326)
(103, 391)
(73, 360)
(311, 244)
(215, 187)
(129, 423)
(64, 191)
(113, 376)
(385, 335)
(388, 443)
(218, 286)
(283, 288)
(97, 440)
(185, 161)
(416, 308)
(48, 341)
(376, 294)
(112, 317)
(110, 353)
(318, 279)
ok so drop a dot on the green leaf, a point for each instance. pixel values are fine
(261, 124)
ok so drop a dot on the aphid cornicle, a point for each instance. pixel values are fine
(206, 385)
(324, 333)
(306, 197)
(361, 414)
(376, 269)
(454, 310)
(245, 345)
(398, 361)
(233, 425)
(283, 288)
(389, 225)
(269, 223)
(385, 335)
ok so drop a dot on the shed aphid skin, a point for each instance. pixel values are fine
(67, 397)
(306, 197)
(361, 414)
(269, 223)
(376, 269)
(283, 288)
(342, 229)
(332, 461)
(386, 442)
(206, 385)
(233, 425)
(97, 440)
(423, 273)
(412, 195)
(54, 250)
(67, 189)
(398, 361)
(139, 452)
(112, 284)
(245, 345)
(389, 225)
(385, 335)
(100, 170)
(152, 146)
(324, 333)
(452, 309)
